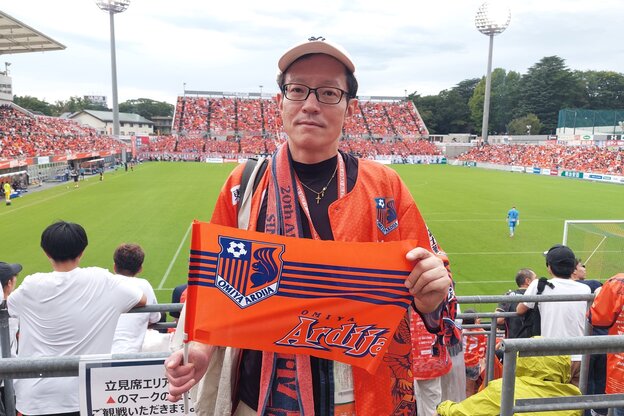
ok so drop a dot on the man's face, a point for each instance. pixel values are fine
(579, 273)
(314, 128)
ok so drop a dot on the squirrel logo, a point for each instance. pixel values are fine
(265, 268)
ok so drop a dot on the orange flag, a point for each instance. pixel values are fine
(335, 300)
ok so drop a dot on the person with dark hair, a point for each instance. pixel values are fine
(310, 189)
(69, 311)
(8, 278)
(131, 327)
(560, 319)
(514, 324)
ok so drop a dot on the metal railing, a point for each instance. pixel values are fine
(512, 348)
(496, 299)
(13, 368)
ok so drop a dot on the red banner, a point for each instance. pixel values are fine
(335, 300)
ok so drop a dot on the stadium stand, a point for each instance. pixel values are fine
(553, 156)
(23, 134)
(226, 115)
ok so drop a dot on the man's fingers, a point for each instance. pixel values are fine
(176, 392)
(418, 253)
(174, 360)
(429, 281)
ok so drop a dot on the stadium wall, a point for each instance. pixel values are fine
(596, 177)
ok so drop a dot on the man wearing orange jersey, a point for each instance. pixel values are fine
(312, 190)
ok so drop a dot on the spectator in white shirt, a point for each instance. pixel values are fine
(131, 327)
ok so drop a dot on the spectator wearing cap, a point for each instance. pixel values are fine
(560, 319)
(340, 198)
(8, 277)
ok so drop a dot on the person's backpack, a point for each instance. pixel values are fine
(252, 173)
(531, 320)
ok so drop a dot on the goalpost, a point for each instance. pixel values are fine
(599, 244)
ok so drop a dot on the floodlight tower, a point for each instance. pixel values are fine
(492, 18)
(113, 7)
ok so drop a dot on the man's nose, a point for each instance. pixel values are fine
(311, 103)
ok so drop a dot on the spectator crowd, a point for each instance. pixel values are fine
(24, 135)
(592, 159)
(223, 116)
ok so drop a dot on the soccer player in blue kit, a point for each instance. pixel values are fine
(513, 219)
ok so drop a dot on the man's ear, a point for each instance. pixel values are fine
(280, 101)
(351, 106)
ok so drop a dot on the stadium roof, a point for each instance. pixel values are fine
(107, 116)
(17, 37)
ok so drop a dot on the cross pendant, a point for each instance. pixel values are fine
(318, 198)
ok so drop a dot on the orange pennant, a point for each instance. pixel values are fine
(335, 300)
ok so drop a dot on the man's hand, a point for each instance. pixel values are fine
(184, 376)
(428, 281)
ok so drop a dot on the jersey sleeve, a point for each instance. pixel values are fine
(608, 303)
(226, 209)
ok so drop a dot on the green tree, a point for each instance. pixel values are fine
(34, 104)
(521, 125)
(448, 112)
(503, 100)
(147, 108)
(547, 87)
(602, 89)
(76, 104)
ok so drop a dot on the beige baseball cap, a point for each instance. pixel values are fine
(315, 45)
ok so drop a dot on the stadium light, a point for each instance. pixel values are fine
(492, 18)
(113, 7)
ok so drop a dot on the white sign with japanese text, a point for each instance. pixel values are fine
(126, 387)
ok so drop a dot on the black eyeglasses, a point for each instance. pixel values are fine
(325, 95)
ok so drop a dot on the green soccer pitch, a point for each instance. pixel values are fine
(465, 208)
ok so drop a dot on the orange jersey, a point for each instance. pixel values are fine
(474, 348)
(379, 207)
(608, 311)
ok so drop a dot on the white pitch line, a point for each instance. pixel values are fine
(509, 253)
(162, 282)
(19, 207)
(430, 219)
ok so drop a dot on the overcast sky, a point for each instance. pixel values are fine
(397, 45)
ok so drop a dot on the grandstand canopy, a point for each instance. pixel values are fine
(17, 37)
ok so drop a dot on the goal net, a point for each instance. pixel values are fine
(599, 244)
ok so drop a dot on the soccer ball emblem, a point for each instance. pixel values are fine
(237, 249)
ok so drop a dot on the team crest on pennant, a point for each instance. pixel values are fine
(387, 219)
(248, 271)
